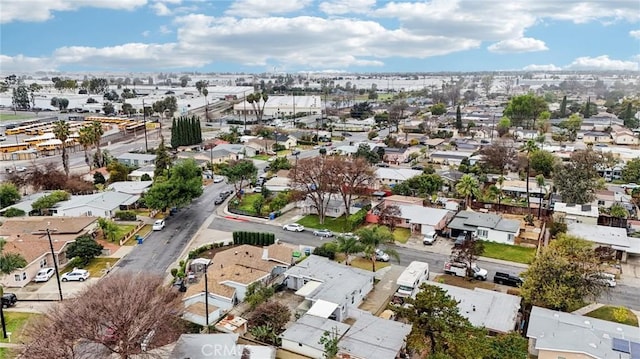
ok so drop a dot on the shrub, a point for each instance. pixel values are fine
(75, 263)
(14, 212)
(174, 272)
(126, 215)
(327, 250)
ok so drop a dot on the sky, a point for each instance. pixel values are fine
(289, 36)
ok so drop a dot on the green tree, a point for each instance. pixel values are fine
(524, 108)
(423, 185)
(572, 125)
(458, 119)
(85, 248)
(511, 345)
(586, 111)
(258, 101)
(272, 315)
(86, 140)
(563, 107)
(364, 151)
(108, 108)
(468, 252)
(118, 172)
(361, 110)
(503, 126)
(329, 341)
(630, 121)
(348, 245)
(372, 238)
(186, 131)
(109, 229)
(577, 179)
(183, 185)
(239, 172)
(631, 171)
(542, 162)
(438, 109)
(9, 194)
(468, 187)
(561, 276)
(258, 293)
(20, 98)
(162, 161)
(98, 178)
(44, 203)
(62, 132)
(528, 148)
(10, 261)
(97, 132)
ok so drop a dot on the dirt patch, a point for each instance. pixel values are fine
(464, 282)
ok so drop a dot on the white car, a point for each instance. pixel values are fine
(44, 275)
(381, 255)
(21, 169)
(218, 179)
(79, 275)
(630, 186)
(293, 227)
(158, 225)
(606, 279)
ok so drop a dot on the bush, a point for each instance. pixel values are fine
(356, 219)
(75, 263)
(126, 215)
(327, 250)
(14, 212)
(174, 272)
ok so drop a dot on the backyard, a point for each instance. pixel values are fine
(610, 313)
(507, 252)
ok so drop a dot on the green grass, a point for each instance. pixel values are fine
(123, 229)
(507, 252)
(15, 325)
(363, 263)
(247, 202)
(97, 266)
(333, 224)
(401, 234)
(261, 157)
(142, 232)
(607, 313)
(12, 117)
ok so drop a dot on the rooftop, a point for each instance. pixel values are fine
(374, 337)
(309, 329)
(585, 210)
(613, 236)
(130, 187)
(470, 221)
(399, 174)
(423, 215)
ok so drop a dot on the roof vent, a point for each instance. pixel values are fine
(587, 322)
(586, 207)
(593, 345)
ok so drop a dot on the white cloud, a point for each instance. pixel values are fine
(635, 34)
(42, 10)
(164, 29)
(146, 33)
(549, 67)
(340, 7)
(601, 63)
(20, 63)
(161, 9)
(264, 8)
(523, 44)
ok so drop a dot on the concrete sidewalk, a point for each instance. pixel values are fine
(378, 299)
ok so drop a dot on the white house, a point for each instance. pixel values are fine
(331, 289)
(103, 204)
(486, 226)
(136, 175)
(625, 137)
(393, 176)
(136, 159)
(576, 213)
(303, 336)
(279, 106)
(130, 187)
(613, 237)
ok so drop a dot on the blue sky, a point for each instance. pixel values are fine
(318, 35)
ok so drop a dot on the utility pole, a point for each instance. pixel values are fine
(144, 120)
(55, 263)
(244, 104)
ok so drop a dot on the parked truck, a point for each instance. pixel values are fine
(460, 269)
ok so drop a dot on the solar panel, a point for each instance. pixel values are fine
(635, 350)
(621, 345)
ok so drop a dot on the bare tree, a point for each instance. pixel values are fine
(122, 314)
(390, 216)
(353, 175)
(499, 156)
(313, 177)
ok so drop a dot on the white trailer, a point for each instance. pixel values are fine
(410, 280)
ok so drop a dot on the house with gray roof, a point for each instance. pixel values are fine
(555, 334)
(303, 336)
(103, 204)
(393, 176)
(330, 289)
(130, 187)
(136, 159)
(605, 236)
(496, 311)
(219, 346)
(485, 226)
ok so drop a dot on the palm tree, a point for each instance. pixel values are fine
(468, 186)
(542, 186)
(86, 139)
(500, 182)
(529, 147)
(8, 263)
(348, 245)
(371, 238)
(96, 128)
(62, 131)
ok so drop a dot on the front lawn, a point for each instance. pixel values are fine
(338, 225)
(261, 157)
(247, 203)
(610, 313)
(142, 232)
(401, 234)
(98, 266)
(359, 262)
(463, 282)
(123, 229)
(507, 252)
(15, 322)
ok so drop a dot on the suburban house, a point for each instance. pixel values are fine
(227, 152)
(334, 206)
(518, 189)
(496, 311)
(229, 275)
(219, 346)
(136, 175)
(261, 145)
(136, 159)
(26, 202)
(392, 176)
(287, 141)
(575, 213)
(554, 335)
(330, 289)
(485, 226)
(414, 215)
(368, 337)
(625, 137)
(102, 170)
(449, 157)
(399, 155)
(610, 173)
(102, 204)
(27, 236)
(129, 187)
(605, 236)
(596, 137)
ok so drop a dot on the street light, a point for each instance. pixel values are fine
(205, 262)
(144, 120)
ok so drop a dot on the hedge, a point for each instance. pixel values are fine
(125, 215)
(254, 238)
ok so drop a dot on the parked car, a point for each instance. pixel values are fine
(459, 241)
(158, 225)
(219, 200)
(44, 275)
(226, 193)
(257, 189)
(9, 300)
(460, 269)
(606, 279)
(21, 169)
(218, 179)
(76, 274)
(382, 164)
(381, 256)
(346, 134)
(293, 227)
(418, 168)
(323, 233)
(630, 186)
(295, 152)
(430, 238)
(3, 138)
(507, 279)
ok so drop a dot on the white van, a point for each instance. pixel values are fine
(410, 280)
(429, 238)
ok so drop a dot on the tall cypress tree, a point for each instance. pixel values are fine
(458, 118)
(587, 108)
(563, 107)
(175, 136)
